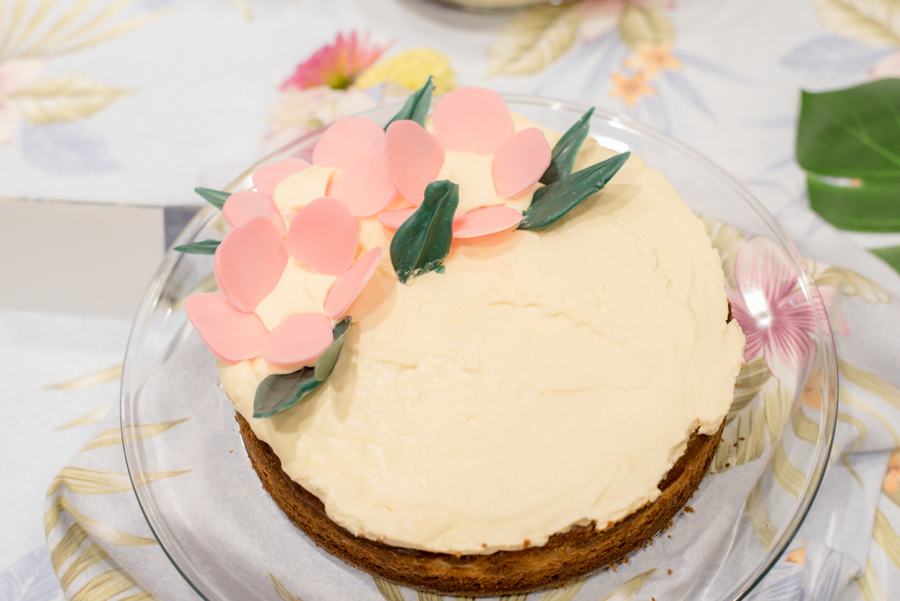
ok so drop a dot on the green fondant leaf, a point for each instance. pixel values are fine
(281, 391)
(325, 363)
(341, 327)
(423, 241)
(553, 201)
(213, 197)
(440, 269)
(206, 247)
(566, 150)
(417, 105)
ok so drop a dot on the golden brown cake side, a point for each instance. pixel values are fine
(567, 556)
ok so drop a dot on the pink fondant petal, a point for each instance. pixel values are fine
(520, 161)
(347, 287)
(323, 235)
(414, 158)
(217, 272)
(394, 219)
(486, 220)
(243, 206)
(364, 184)
(298, 340)
(344, 138)
(472, 119)
(250, 261)
(230, 335)
(266, 178)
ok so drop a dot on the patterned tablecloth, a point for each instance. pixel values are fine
(140, 101)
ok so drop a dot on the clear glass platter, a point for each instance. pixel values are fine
(231, 542)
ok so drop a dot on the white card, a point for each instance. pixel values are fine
(78, 258)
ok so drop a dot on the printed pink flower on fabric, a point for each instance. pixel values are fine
(335, 65)
(249, 263)
(15, 75)
(778, 321)
(599, 17)
(466, 120)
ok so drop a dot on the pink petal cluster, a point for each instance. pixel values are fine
(250, 261)
(778, 321)
(473, 120)
(335, 65)
(355, 147)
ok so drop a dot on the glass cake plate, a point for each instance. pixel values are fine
(223, 533)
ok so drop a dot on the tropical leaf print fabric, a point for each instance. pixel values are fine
(828, 555)
(140, 101)
(34, 38)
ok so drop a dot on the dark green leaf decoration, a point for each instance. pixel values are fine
(423, 241)
(278, 392)
(417, 105)
(565, 151)
(206, 247)
(853, 132)
(551, 202)
(213, 197)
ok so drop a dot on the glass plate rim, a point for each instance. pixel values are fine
(825, 341)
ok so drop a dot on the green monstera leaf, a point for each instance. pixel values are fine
(848, 141)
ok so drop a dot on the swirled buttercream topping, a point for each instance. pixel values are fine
(543, 380)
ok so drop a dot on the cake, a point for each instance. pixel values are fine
(525, 392)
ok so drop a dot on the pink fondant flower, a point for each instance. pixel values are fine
(335, 65)
(467, 120)
(356, 147)
(250, 261)
(773, 311)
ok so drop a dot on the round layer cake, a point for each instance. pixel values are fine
(534, 410)
(575, 553)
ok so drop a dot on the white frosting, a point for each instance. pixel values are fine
(546, 379)
(474, 175)
(298, 190)
(299, 290)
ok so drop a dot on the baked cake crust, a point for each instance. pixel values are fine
(566, 556)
